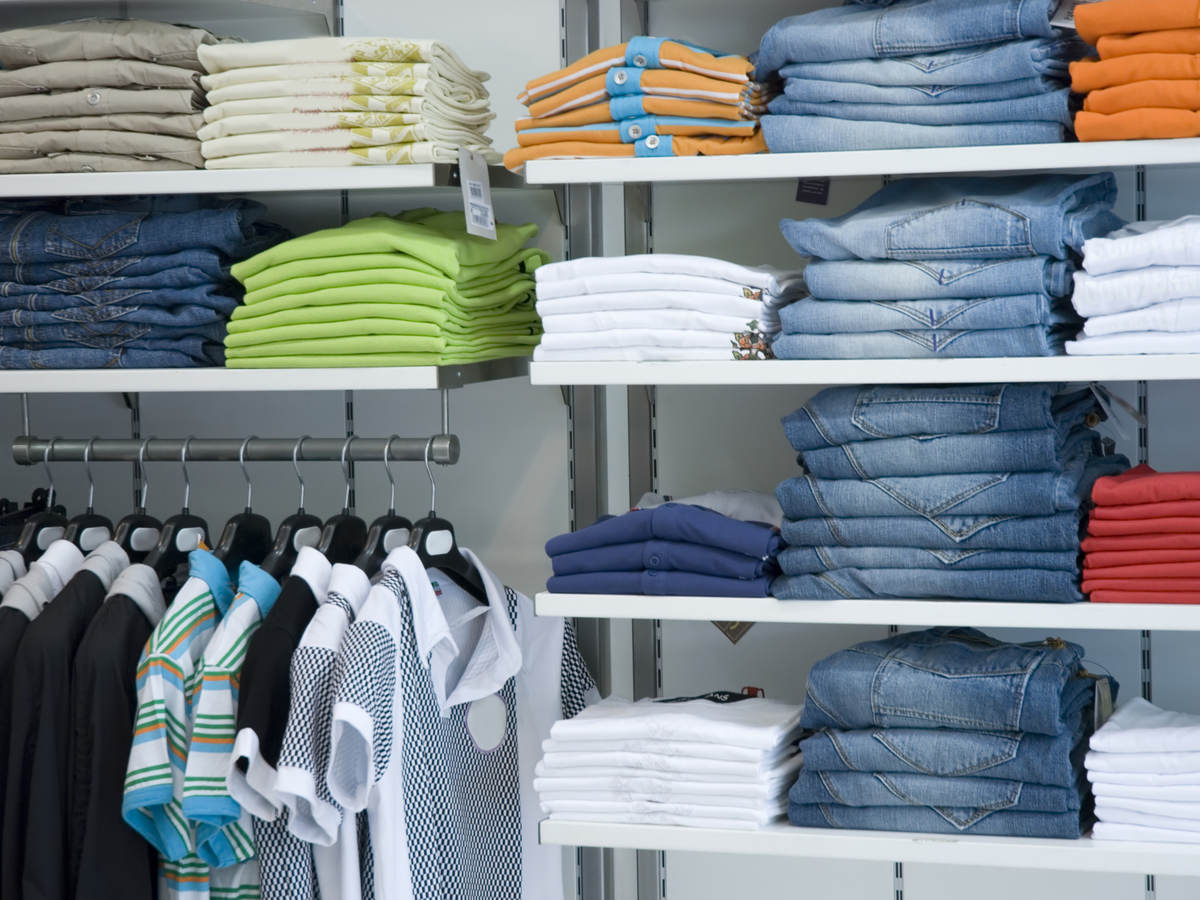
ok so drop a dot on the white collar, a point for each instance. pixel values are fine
(140, 584)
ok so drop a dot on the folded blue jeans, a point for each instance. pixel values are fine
(858, 279)
(656, 583)
(208, 295)
(127, 333)
(107, 358)
(990, 64)
(894, 789)
(955, 678)
(1035, 340)
(663, 556)
(813, 90)
(906, 28)
(1053, 533)
(825, 134)
(208, 265)
(1045, 107)
(814, 560)
(938, 820)
(964, 218)
(177, 316)
(1003, 585)
(179, 278)
(813, 316)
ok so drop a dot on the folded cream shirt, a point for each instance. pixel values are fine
(300, 72)
(339, 139)
(429, 108)
(388, 155)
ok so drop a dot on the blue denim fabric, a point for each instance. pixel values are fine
(913, 344)
(938, 820)
(965, 218)
(108, 358)
(907, 28)
(181, 278)
(821, 134)
(210, 296)
(663, 556)
(176, 316)
(193, 345)
(840, 415)
(955, 678)
(935, 496)
(857, 279)
(655, 583)
(1054, 533)
(66, 333)
(673, 522)
(812, 316)
(1007, 585)
(947, 753)
(1004, 63)
(894, 789)
(1051, 107)
(209, 266)
(812, 90)
(814, 560)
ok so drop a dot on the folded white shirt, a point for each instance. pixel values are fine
(715, 802)
(714, 304)
(745, 506)
(1170, 316)
(1171, 809)
(1101, 295)
(1145, 779)
(632, 354)
(1138, 726)
(790, 284)
(1159, 763)
(657, 762)
(639, 337)
(1141, 244)
(774, 281)
(698, 749)
(671, 319)
(724, 719)
(1135, 342)
(1186, 793)
(661, 819)
(1113, 831)
(1107, 812)
(585, 808)
(643, 784)
(615, 771)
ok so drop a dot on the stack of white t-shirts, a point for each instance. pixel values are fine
(722, 760)
(341, 102)
(1144, 766)
(1140, 290)
(660, 306)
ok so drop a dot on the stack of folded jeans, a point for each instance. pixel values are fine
(918, 73)
(1144, 84)
(904, 746)
(660, 306)
(100, 95)
(681, 549)
(647, 97)
(408, 290)
(1143, 543)
(1144, 767)
(722, 760)
(970, 492)
(1138, 290)
(122, 283)
(341, 102)
(950, 267)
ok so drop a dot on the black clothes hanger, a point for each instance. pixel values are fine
(300, 529)
(344, 535)
(138, 533)
(181, 533)
(246, 536)
(433, 539)
(42, 528)
(89, 529)
(387, 532)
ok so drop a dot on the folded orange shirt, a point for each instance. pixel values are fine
(1094, 20)
(1137, 125)
(1145, 585)
(1174, 597)
(683, 85)
(1140, 542)
(1094, 74)
(601, 112)
(1144, 484)
(1177, 40)
(619, 132)
(515, 159)
(1126, 558)
(1115, 527)
(1148, 510)
(1158, 94)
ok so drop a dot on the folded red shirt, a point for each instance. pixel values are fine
(1168, 525)
(1125, 558)
(1147, 570)
(1145, 585)
(1148, 510)
(1173, 597)
(1129, 542)
(1143, 484)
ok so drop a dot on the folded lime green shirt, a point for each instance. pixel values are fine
(527, 260)
(342, 346)
(322, 330)
(334, 361)
(321, 265)
(305, 315)
(390, 267)
(359, 293)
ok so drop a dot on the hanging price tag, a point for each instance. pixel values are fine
(477, 194)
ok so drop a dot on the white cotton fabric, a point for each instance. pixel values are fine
(1113, 831)
(774, 281)
(106, 562)
(1139, 726)
(1155, 763)
(636, 300)
(1171, 792)
(566, 765)
(1135, 342)
(574, 801)
(338, 139)
(1171, 809)
(1101, 295)
(692, 749)
(632, 353)
(745, 506)
(1110, 811)
(1171, 316)
(451, 95)
(760, 815)
(616, 771)
(313, 121)
(430, 109)
(350, 70)
(48, 574)
(649, 786)
(304, 51)
(661, 819)
(1140, 244)
(639, 337)
(671, 283)
(670, 319)
(12, 567)
(1145, 779)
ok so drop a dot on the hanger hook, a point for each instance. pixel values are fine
(296, 465)
(246, 474)
(145, 477)
(387, 467)
(187, 481)
(432, 482)
(346, 474)
(49, 475)
(87, 468)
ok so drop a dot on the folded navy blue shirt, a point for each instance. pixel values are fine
(673, 522)
(658, 584)
(664, 556)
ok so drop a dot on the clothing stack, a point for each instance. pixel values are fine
(1144, 83)
(124, 283)
(1138, 290)
(341, 102)
(903, 747)
(1144, 767)
(1143, 543)
(917, 73)
(660, 306)
(647, 97)
(100, 95)
(407, 290)
(721, 760)
(971, 492)
(945, 267)
(722, 544)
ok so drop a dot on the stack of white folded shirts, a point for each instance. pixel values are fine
(723, 760)
(341, 102)
(660, 306)
(1140, 290)
(1144, 766)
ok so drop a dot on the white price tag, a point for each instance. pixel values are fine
(1064, 13)
(477, 194)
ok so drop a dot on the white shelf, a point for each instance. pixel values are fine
(872, 371)
(400, 378)
(1084, 855)
(772, 166)
(1099, 616)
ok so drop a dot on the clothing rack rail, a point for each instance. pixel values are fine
(440, 448)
